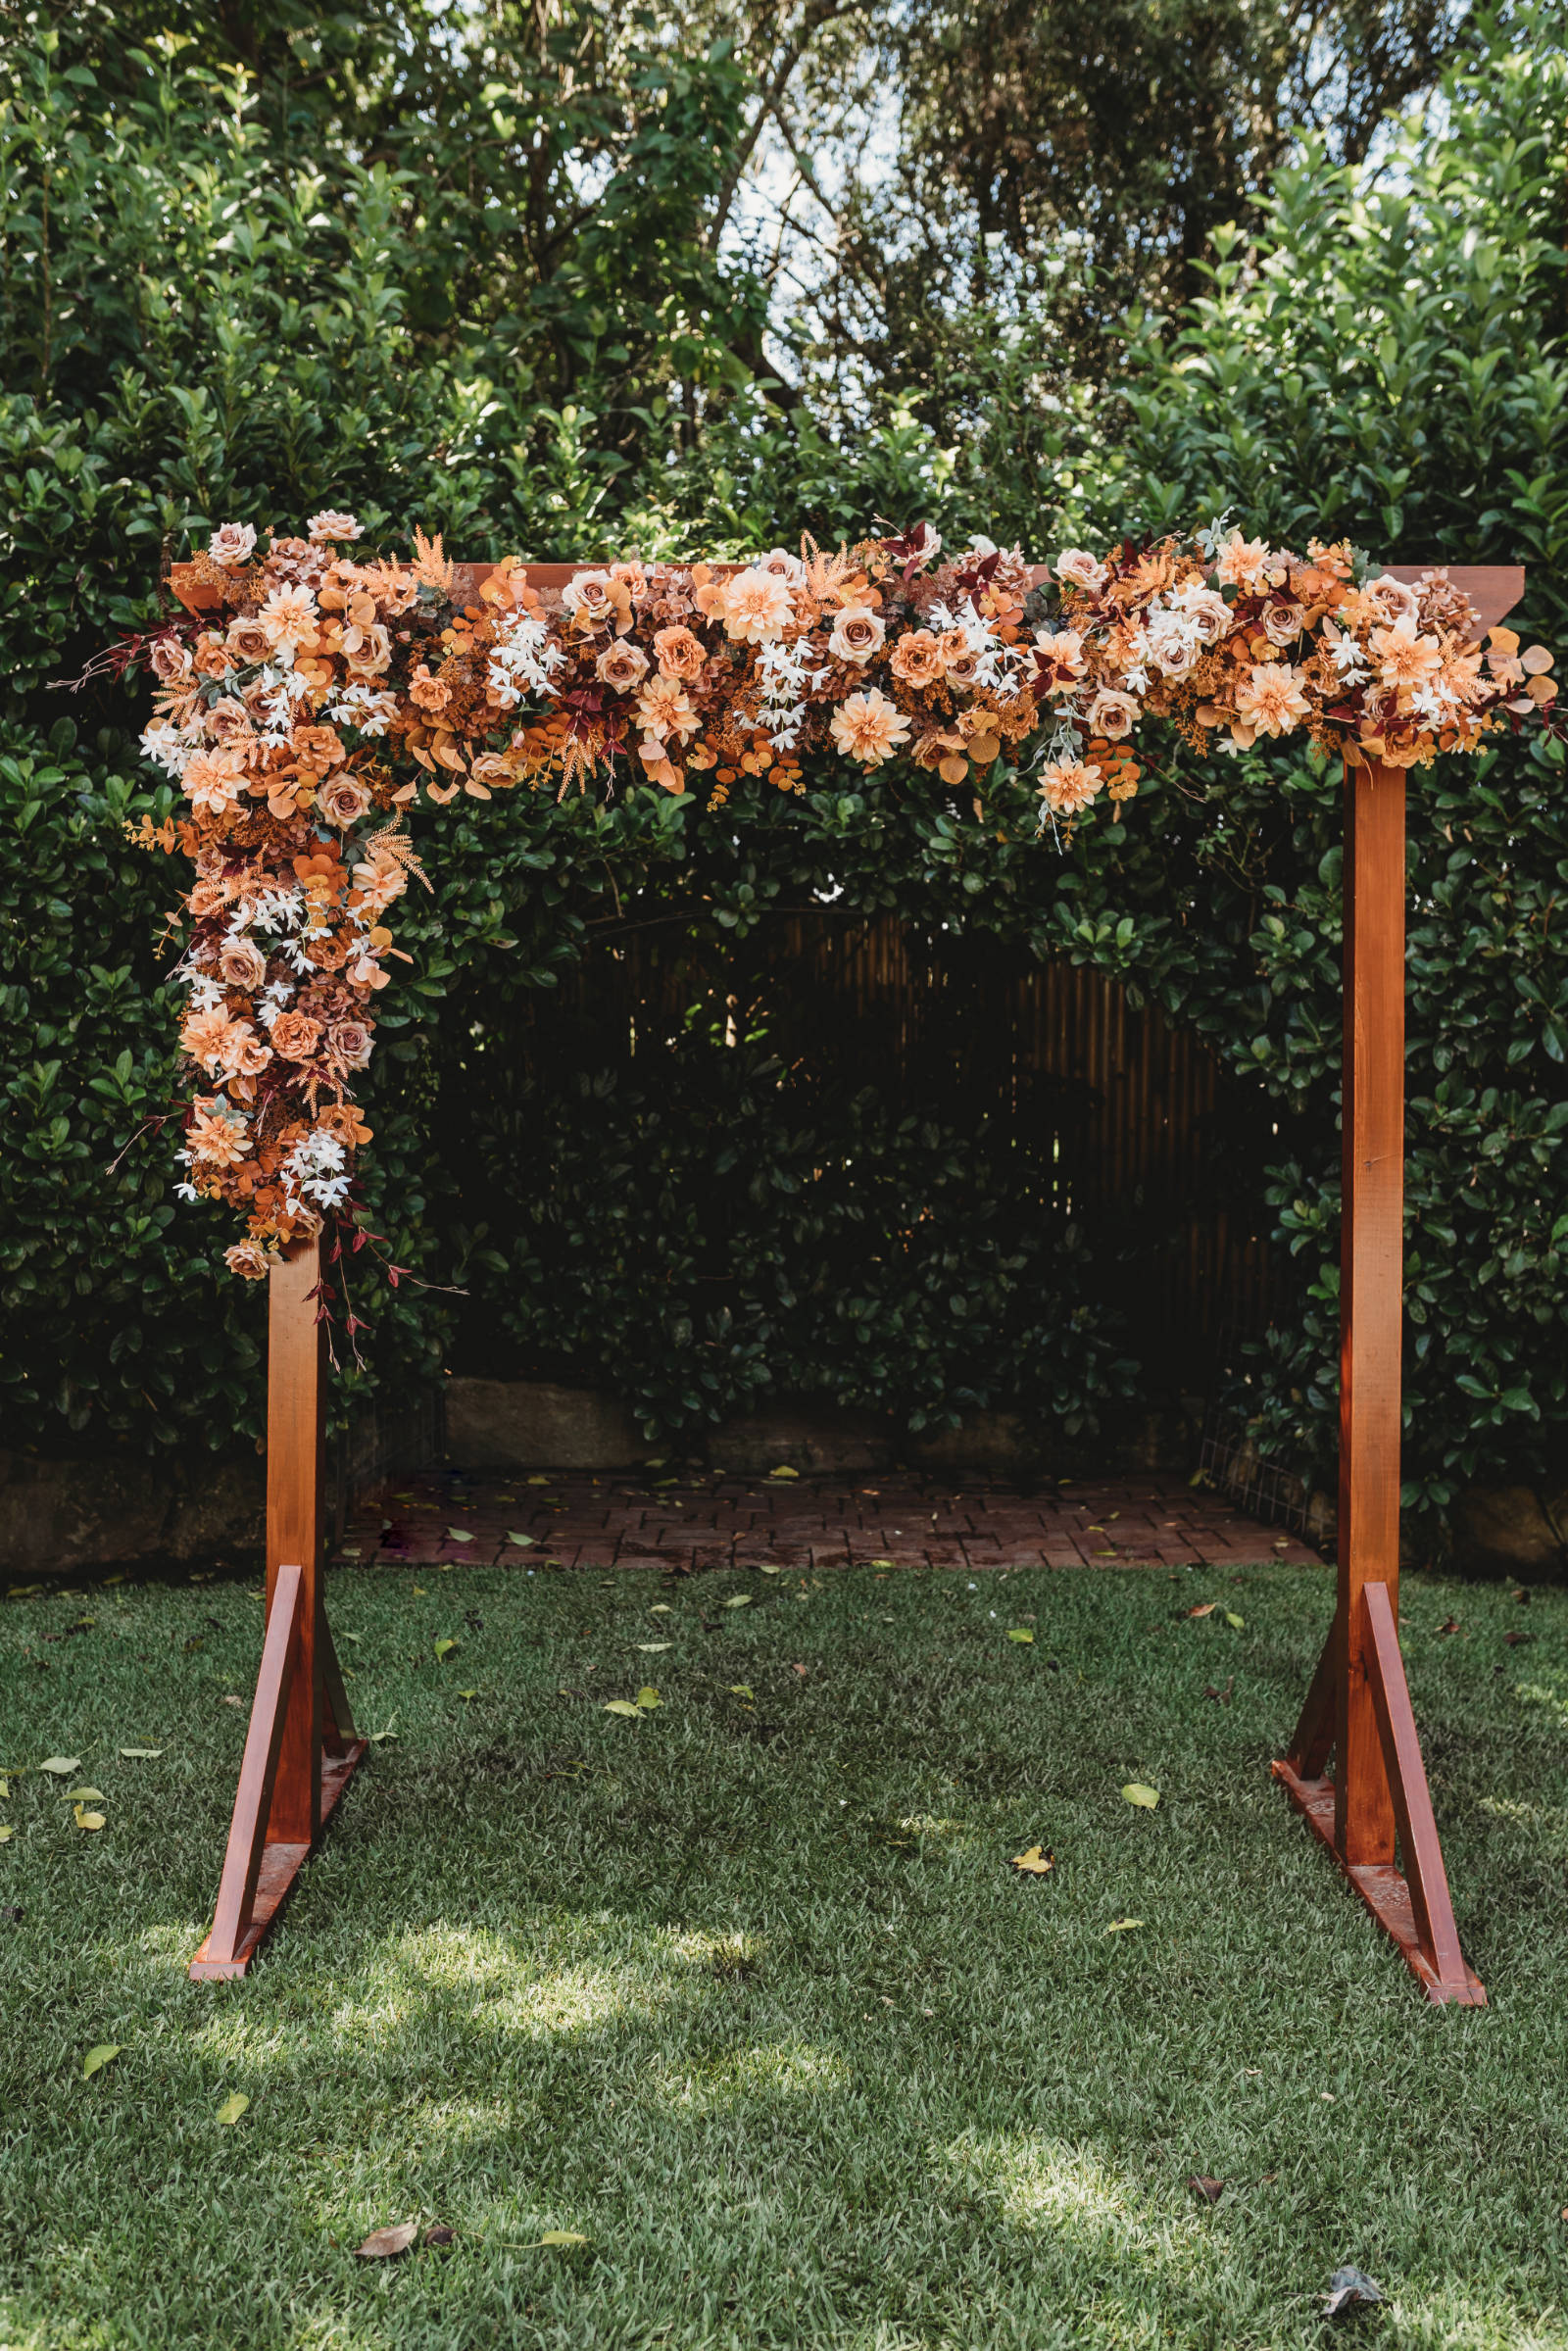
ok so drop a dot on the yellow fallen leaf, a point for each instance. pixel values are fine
(783, 1472)
(1203, 1608)
(771, 1571)
(85, 1795)
(1033, 1862)
(1137, 1793)
(418, 1592)
(648, 1697)
(1019, 1632)
(624, 1706)
(659, 1609)
(383, 2243)
(538, 1480)
(96, 2059)
(233, 2108)
(524, 1542)
(1121, 1926)
(86, 1820)
(739, 1599)
(6, 1835)
(446, 1645)
(62, 1766)
(562, 2237)
(743, 1690)
(883, 1564)
(141, 1754)
(467, 1693)
(1235, 1621)
(648, 1648)
(458, 1535)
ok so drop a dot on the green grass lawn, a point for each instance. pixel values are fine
(746, 1993)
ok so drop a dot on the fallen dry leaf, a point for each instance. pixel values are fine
(648, 1697)
(96, 2059)
(1348, 2287)
(85, 1795)
(383, 2243)
(1202, 2185)
(1203, 1608)
(62, 1766)
(570, 2237)
(1450, 1624)
(1122, 1925)
(783, 1472)
(1019, 1632)
(86, 1820)
(624, 1706)
(231, 1697)
(648, 1648)
(141, 1754)
(234, 2107)
(743, 1690)
(797, 1669)
(1146, 1799)
(1034, 1863)
(441, 2234)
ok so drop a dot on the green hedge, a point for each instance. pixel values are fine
(247, 341)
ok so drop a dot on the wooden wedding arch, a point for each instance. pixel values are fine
(1374, 1810)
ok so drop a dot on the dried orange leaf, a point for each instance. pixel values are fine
(1203, 1608)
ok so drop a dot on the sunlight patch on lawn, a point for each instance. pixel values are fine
(1040, 2182)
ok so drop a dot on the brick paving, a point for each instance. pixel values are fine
(688, 1525)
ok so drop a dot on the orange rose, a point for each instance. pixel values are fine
(680, 655)
(295, 1036)
(917, 659)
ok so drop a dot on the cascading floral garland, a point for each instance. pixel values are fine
(307, 700)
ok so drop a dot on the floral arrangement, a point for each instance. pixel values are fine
(307, 700)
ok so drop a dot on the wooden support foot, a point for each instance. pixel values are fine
(1413, 1909)
(301, 1749)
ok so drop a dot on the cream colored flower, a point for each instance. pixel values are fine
(1068, 785)
(343, 799)
(248, 641)
(211, 1136)
(289, 618)
(331, 524)
(858, 634)
(249, 1260)
(1282, 623)
(1241, 561)
(212, 782)
(1269, 699)
(1112, 713)
(664, 708)
(622, 666)
(1080, 569)
(756, 607)
(367, 651)
(1404, 659)
(232, 544)
(868, 727)
(242, 964)
(779, 563)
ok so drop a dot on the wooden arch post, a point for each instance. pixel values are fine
(301, 1748)
(1376, 1808)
